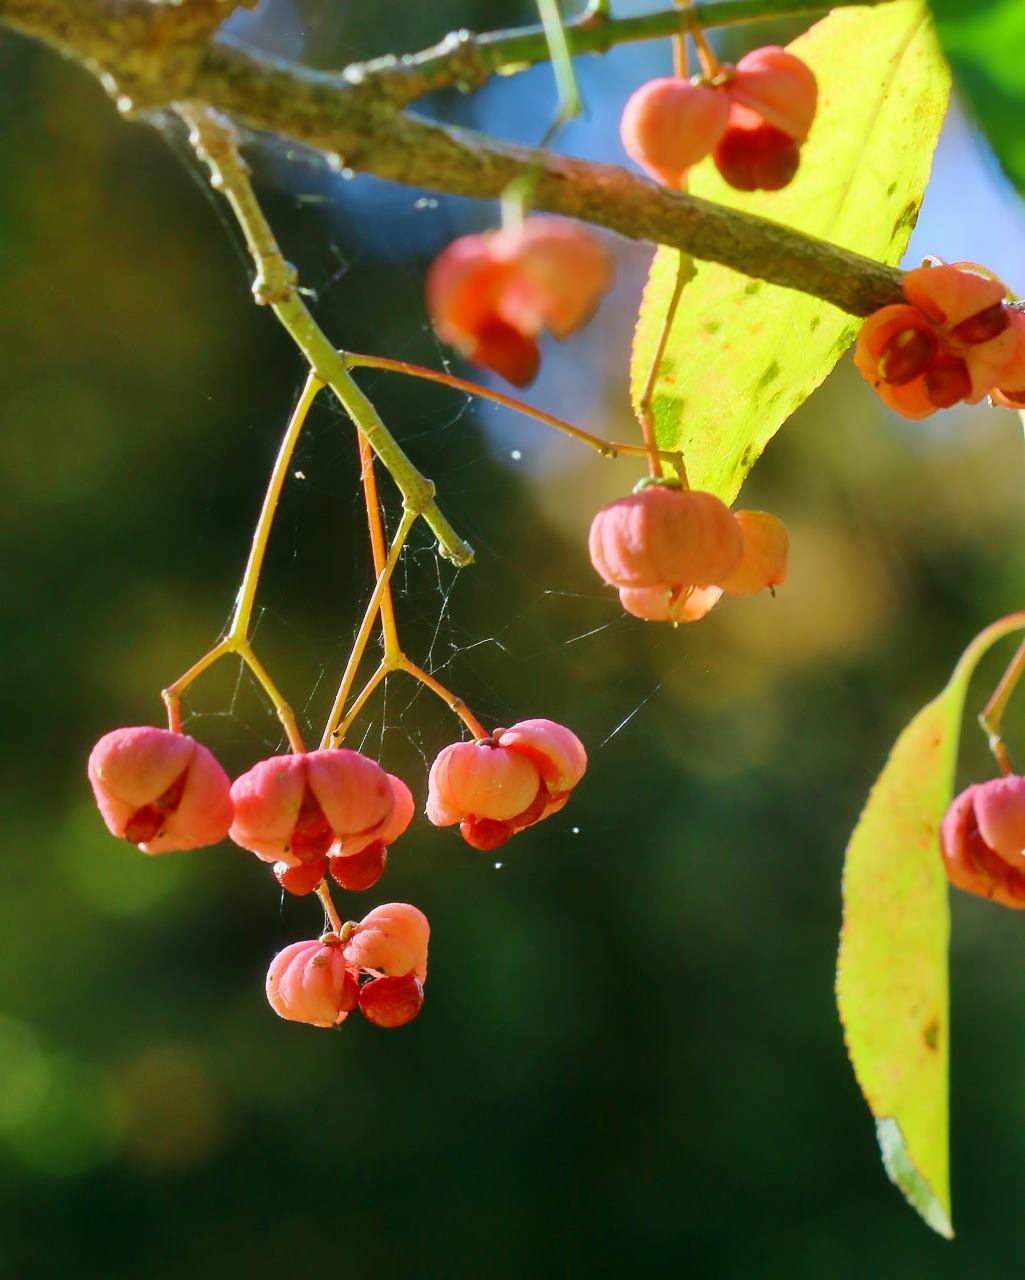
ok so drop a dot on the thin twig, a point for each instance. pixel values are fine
(239, 628)
(466, 61)
(992, 714)
(645, 410)
(607, 448)
(330, 910)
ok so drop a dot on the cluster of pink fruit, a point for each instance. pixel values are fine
(491, 295)
(751, 119)
(956, 338)
(333, 812)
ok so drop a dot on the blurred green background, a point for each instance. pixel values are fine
(629, 1057)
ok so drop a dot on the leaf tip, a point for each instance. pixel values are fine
(903, 1174)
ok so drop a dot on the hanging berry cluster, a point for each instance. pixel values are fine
(337, 811)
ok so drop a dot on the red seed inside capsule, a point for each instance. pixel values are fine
(983, 326)
(147, 823)
(757, 159)
(948, 381)
(302, 879)
(312, 836)
(485, 834)
(361, 870)
(906, 355)
(391, 1001)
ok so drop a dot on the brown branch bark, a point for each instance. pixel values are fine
(152, 54)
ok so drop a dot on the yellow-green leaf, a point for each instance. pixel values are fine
(742, 354)
(892, 968)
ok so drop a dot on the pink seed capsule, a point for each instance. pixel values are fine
(161, 791)
(559, 757)
(391, 1002)
(970, 862)
(391, 939)
(1010, 381)
(669, 604)
(978, 332)
(490, 296)
(465, 287)
(764, 559)
(665, 537)
(778, 87)
(387, 831)
(311, 982)
(670, 124)
(951, 293)
(896, 348)
(293, 808)
(561, 272)
(480, 779)
(1000, 815)
(499, 785)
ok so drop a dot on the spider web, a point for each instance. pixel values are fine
(532, 625)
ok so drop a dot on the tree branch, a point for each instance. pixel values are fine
(305, 106)
(466, 61)
(357, 124)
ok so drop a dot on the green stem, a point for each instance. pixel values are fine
(645, 402)
(215, 141)
(561, 59)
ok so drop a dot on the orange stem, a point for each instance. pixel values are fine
(993, 712)
(607, 448)
(324, 894)
(451, 700)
